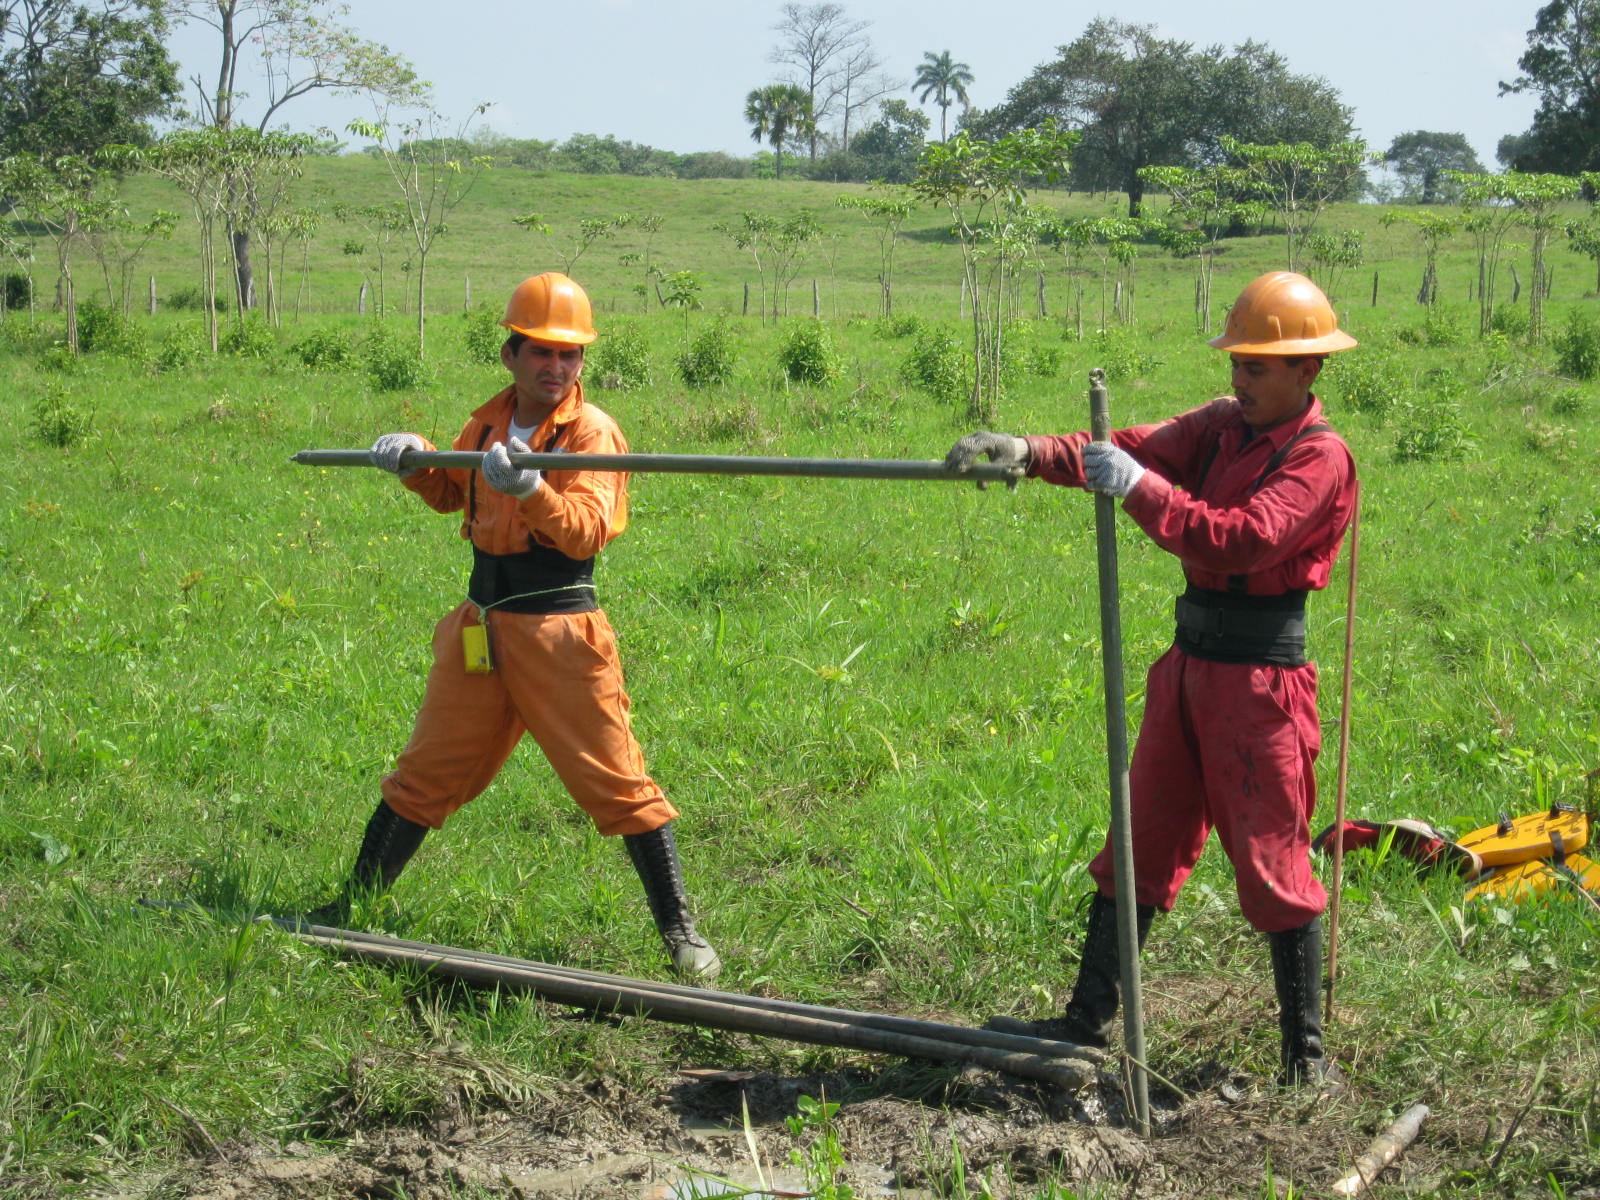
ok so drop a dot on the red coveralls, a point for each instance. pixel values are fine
(1229, 745)
(556, 675)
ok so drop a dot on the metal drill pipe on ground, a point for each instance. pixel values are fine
(685, 464)
(1014, 1043)
(633, 999)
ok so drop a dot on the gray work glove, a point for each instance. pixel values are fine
(1006, 449)
(386, 451)
(1110, 469)
(499, 474)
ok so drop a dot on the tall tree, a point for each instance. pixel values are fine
(777, 113)
(940, 76)
(298, 46)
(818, 42)
(77, 77)
(1562, 67)
(1421, 159)
(1143, 101)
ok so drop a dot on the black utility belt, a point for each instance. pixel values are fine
(540, 580)
(1224, 627)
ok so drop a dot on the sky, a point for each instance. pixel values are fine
(674, 74)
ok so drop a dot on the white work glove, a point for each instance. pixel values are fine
(1005, 449)
(499, 474)
(1110, 469)
(386, 451)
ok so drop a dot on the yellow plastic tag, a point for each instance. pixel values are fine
(475, 645)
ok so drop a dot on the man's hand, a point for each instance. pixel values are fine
(386, 451)
(1003, 448)
(499, 474)
(1110, 469)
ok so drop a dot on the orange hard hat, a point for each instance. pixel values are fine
(1282, 313)
(550, 308)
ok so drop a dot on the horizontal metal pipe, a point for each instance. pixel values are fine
(1042, 1047)
(685, 464)
(626, 997)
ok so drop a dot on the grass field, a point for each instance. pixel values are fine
(878, 705)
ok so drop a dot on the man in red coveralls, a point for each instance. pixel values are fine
(529, 650)
(1253, 492)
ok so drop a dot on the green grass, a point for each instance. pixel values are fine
(878, 706)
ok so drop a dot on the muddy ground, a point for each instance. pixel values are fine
(919, 1128)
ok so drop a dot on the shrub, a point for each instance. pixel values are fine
(902, 326)
(392, 362)
(1120, 356)
(192, 299)
(56, 421)
(938, 366)
(17, 290)
(1430, 428)
(807, 354)
(104, 329)
(620, 360)
(1568, 402)
(1577, 347)
(1509, 321)
(482, 334)
(183, 346)
(250, 337)
(708, 360)
(1370, 381)
(325, 350)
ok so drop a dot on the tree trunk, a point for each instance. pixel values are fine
(243, 274)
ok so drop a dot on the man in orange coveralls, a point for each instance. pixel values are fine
(1253, 492)
(551, 667)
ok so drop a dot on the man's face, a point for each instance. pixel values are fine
(1269, 389)
(543, 372)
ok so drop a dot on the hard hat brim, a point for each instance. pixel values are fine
(565, 337)
(1291, 348)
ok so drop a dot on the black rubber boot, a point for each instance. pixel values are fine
(1092, 1011)
(655, 857)
(386, 848)
(1297, 972)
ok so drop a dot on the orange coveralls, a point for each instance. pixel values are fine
(556, 675)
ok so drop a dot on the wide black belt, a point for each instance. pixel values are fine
(1227, 627)
(539, 580)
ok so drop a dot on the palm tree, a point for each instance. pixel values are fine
(778, 112)
(945, 80)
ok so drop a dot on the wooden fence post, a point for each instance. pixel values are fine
(361, 300)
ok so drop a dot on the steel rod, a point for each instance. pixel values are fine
(1344, 759)
(685, 464)
(628, 997)
(1063, 1063)
(906, 1025)
(1105, 513)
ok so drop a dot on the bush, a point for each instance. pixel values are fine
(907, 325)
(18, 290)
(708, 360)
(938, 366)
(1120, 356)
(392, 363)
(104, 329)
(1369, 381)
(1568, 402)
(192, 299)
(620, 360)
(55, 421)
(482, 334)
(325, 350)
(250, 337)
(183, 346)
(1430, 429)
(807, 354)
(1577, 347)
(1509, 322)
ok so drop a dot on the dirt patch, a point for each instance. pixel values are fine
(602, 1140)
